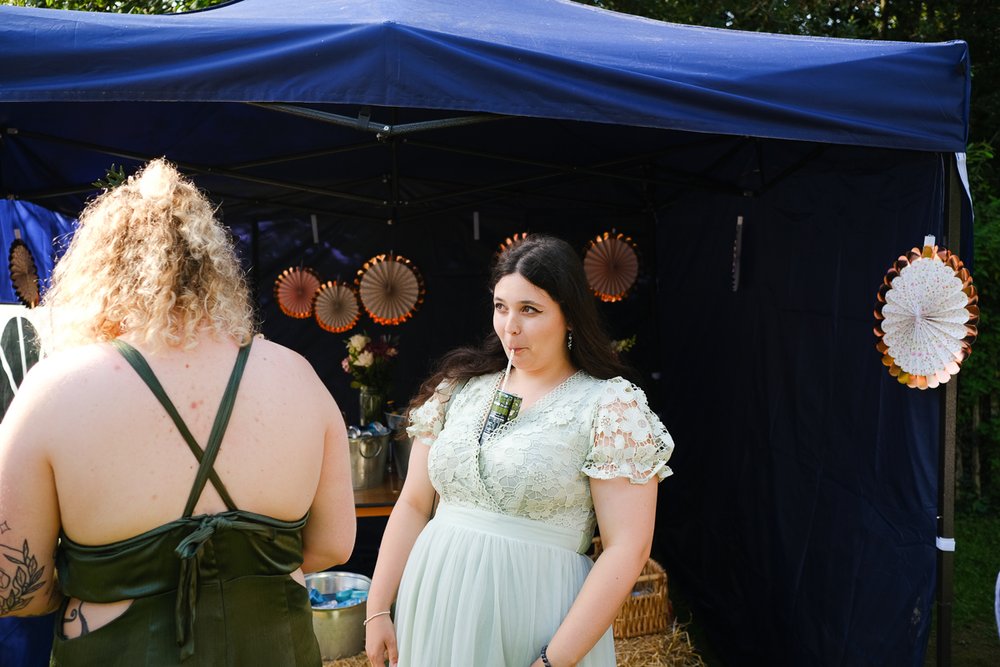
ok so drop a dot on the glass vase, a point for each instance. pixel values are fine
(371, 404)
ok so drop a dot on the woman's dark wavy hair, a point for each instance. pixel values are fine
(552, 265)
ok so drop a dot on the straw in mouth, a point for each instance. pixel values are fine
(506, 373)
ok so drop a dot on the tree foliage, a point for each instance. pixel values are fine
(979, 381)
(119, 6)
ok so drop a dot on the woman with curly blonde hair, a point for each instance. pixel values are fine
(128, 271)
(97, 456)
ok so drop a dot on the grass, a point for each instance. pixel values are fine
(975, 642)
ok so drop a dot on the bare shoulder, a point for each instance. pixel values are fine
(284, 365)
(277, 355)
(49, 388)
(62, 370)
(276, 352)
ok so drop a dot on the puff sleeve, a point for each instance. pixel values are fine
(427, 420)
(628, 439)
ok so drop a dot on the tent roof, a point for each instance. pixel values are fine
(532, 58)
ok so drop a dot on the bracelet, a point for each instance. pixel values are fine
(545, 658)
(373, 616)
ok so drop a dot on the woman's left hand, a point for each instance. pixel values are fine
(626, 514)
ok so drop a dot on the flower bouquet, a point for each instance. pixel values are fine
(369, 363)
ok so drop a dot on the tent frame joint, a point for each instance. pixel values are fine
(363, 123)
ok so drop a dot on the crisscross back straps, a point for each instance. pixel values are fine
(206, 458)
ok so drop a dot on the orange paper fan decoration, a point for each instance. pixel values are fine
(336, 307)
(23, 273)
(926, 316)
(294, 289)
(512, 240)
(612, 266)
(390, 288)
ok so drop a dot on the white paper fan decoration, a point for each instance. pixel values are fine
(294, 289)
(390, 288)
(612, 266)
(927, 314)
(336, 307)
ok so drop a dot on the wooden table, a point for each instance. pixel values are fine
(378, 500)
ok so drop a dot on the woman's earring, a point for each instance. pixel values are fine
(569, 341)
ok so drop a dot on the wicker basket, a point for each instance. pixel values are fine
(648, 609)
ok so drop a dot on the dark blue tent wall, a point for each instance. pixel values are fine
(801, 517)
(806, 514)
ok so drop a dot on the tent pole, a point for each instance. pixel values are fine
(946, 449)
(363, 124)
(279, 202)
(202, 169)
(307, 155)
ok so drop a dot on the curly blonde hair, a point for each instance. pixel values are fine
(149, 258)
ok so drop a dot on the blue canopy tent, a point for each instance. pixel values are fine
(801, 520)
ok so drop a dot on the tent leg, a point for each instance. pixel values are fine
(946, 522)
(947, 448)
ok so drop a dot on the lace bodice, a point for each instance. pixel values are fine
(538, 466)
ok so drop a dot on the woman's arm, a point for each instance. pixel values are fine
(29, 509)
(328, 538)
(626, 514)
(408, 518)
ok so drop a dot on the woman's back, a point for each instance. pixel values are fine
(121, 465)
(150, 307)
(216, 582)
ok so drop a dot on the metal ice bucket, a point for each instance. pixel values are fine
(340, 632)
(369, 454)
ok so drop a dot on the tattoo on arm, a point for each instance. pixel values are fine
(19, 577)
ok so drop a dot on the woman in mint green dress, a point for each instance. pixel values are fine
(498, 576)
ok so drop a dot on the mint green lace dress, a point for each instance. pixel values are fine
(493, 574)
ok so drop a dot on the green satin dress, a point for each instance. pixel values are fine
(211, 590)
